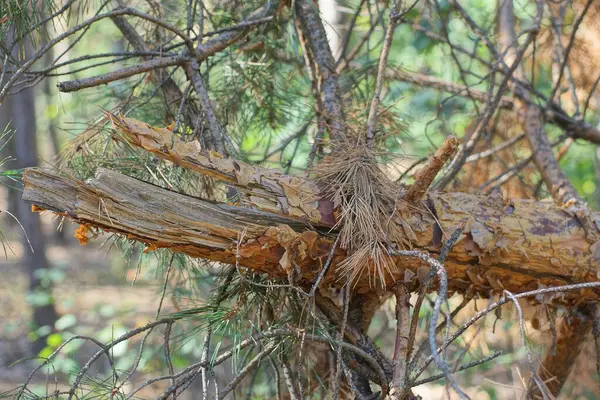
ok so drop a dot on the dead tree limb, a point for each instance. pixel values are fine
(505, 246)
(143, 67)
(425, 176)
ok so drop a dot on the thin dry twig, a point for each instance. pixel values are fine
(167, 339)
(338, 370)
(229, 274)
(440, 271)
(249, 367)
(324, 270)
(501, 302)
(424, 288)
(534, 376)
(383, 57)
(495, 149)
(567, 51)
(472, 364)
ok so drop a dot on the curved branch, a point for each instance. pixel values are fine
(147, 66)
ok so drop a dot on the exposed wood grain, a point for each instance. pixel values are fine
(515, 245)
(263, 188)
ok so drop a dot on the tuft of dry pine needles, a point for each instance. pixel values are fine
(365, 198)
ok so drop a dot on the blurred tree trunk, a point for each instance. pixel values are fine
(19, 111)
(332, 19)
(47, 88)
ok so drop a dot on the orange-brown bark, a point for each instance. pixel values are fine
(265, 189)
(517, 245)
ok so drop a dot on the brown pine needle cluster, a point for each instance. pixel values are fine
(365, 199)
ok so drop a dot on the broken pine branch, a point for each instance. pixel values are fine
(425, 176)
(503, 246)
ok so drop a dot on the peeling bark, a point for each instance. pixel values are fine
(265, 189)
(516, 245)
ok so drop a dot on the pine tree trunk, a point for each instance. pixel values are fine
(19, 110)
